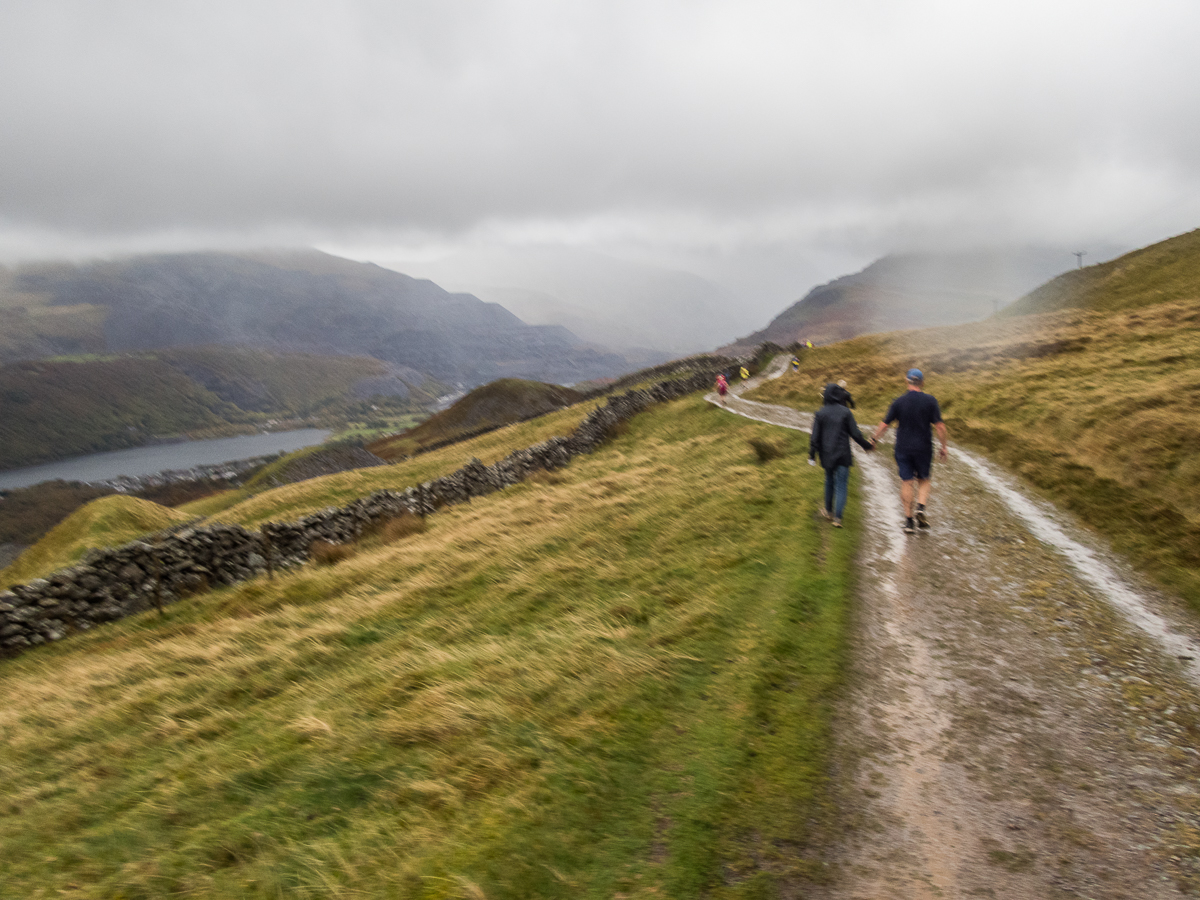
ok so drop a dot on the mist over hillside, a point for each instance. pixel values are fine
(914, 290)
(615, 302)
(1167, 270)
(298, 301)
(1088, 387)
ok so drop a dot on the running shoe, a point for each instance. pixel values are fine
(837, 523)
(826, 514)
(922, 522)
(909, 528)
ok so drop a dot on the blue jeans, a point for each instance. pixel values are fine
(836, 481)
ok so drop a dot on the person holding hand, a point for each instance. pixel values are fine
(833, 427)
(914, 411)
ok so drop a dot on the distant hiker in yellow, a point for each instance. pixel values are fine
(808, 344)
(744, 372)
(795, 364)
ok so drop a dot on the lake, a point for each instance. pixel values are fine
(163, 457)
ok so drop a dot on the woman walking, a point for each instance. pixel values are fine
(833, 426)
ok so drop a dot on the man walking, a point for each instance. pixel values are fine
(833, 426)
(915, 411)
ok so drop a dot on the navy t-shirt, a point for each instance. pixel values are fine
(915, 411)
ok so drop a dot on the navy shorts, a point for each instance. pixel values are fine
(914, 465)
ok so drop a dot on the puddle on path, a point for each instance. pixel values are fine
(1091, 568)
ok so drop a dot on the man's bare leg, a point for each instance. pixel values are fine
(906, 497)
(924, 486)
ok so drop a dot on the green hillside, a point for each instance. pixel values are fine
(291, 501)
(28, 513)
(56, 409)
(289, 383)
(1168, 270)
(909, 290)
(256, 501)
(1097, 405)
(615, 679)
(106, 522)
(498, 403)
(34, 332)
(32, 328)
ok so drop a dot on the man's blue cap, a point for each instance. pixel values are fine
(915, 375)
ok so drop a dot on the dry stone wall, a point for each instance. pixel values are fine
(116, 582)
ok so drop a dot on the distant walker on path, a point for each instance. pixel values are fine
(833, 426)
(915, 411)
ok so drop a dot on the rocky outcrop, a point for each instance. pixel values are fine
(113, 583)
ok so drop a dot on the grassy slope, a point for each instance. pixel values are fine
(1099, 410)
(30, 327)
(29, 331)
(107, 522)
(26, 514)
(614, 679)
(53, 410)
(494, 404)
(1166, 271)
(252, 504)
(295, 500)
(283, 383)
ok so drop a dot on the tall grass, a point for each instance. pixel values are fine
(615, 682)
(251, 507)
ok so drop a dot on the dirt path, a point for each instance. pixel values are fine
(1023, 716)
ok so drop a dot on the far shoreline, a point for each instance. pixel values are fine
(163, 456)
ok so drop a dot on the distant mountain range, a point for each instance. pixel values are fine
(916, 290)
(302, 301)
(115, 354)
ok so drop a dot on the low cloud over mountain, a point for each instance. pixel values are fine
(915, 290)
(305, 301)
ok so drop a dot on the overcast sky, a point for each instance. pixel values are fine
(765, 144)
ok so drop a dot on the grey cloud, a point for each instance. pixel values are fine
(835, 129)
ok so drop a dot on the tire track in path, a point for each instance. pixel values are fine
(1018, 721)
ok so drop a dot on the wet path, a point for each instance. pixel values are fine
(1020, 723)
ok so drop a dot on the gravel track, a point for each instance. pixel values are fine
(1022, 716)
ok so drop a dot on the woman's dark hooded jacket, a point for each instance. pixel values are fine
(833, 426)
